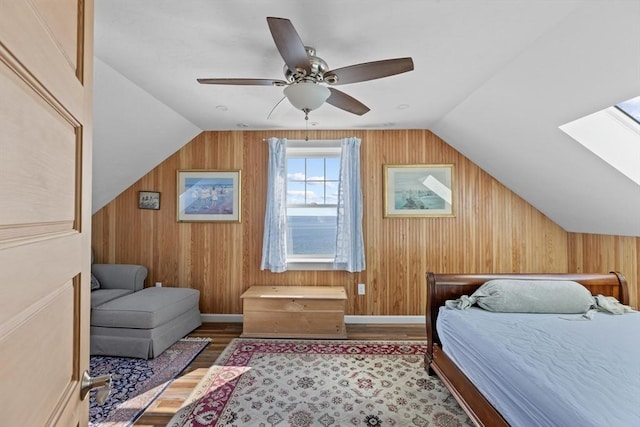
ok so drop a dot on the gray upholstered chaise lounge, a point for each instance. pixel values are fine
(128, 320)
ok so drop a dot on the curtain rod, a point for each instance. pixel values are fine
(307, 140)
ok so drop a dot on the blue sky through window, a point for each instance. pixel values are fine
(312, 188)
(312, 181)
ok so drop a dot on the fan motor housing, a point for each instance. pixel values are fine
(318, 68)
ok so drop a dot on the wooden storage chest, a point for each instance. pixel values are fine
(294, 312)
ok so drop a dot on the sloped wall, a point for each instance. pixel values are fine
(132, 133)
(494, 230)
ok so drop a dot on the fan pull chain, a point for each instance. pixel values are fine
(306, 121)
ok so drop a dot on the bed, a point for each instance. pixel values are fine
(467, 361)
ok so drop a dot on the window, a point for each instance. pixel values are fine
(313, 212)
(613, 134)
(631, 108)
(312, 195)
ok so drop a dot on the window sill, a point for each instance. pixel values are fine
(310, 264)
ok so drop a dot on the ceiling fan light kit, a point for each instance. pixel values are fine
(304, 72)
(307, 96)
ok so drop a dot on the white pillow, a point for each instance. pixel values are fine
(533, 296)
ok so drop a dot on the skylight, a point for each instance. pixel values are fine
(631, 108)
(613, 134)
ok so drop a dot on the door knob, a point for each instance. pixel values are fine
(102, 383)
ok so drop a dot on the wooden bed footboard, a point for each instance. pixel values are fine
(442, 287)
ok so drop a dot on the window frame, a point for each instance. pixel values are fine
(307, 150)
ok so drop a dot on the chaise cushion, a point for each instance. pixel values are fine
(146, 309)
(101, 296)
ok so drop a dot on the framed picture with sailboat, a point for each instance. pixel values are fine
(416, 191)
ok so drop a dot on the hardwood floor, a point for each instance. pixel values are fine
(161, 411)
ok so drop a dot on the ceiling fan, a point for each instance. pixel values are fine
(307, 76)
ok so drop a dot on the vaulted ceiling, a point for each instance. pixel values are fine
(493, 78)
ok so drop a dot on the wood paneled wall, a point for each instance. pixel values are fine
(596, 253)
(494, 230)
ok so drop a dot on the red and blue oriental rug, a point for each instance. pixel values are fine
(265, 382)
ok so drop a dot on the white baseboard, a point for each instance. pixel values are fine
(349, 319)
(384, 319)
(221, 318)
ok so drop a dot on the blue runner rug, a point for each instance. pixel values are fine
(136, 383)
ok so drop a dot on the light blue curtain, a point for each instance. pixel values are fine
(274, 242)
(349, 236)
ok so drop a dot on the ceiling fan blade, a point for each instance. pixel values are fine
(368, 71)
(345, 102)
(246, 82)
(289, 44)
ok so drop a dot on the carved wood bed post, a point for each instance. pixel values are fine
(430, 323)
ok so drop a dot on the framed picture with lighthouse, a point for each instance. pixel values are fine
(416, 191)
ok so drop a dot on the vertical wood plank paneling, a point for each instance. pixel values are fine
(494, 230)
(590, 253)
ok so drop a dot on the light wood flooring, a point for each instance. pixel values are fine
(161, 411)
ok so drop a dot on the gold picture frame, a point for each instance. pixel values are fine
(208, 196)
(417, 191)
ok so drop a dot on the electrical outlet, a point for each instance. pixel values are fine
(158, 284)
(361, 288)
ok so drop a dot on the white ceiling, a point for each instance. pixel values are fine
(493, 78)
(163, 46)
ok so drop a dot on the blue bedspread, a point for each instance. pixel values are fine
(543, 370)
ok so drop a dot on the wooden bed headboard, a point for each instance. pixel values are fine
(442, 287)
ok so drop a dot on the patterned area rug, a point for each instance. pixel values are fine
(136, 383)
(258, 382)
